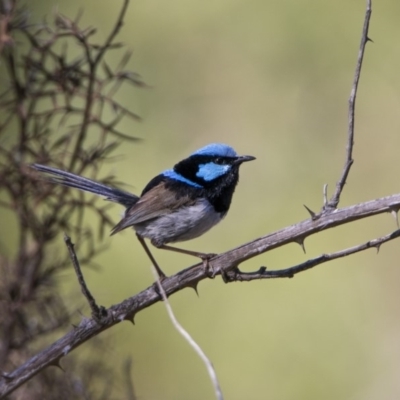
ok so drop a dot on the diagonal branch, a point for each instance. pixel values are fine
(189, 277)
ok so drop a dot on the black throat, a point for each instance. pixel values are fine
(220, 195)
(218, 191)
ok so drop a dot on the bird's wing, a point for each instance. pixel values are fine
(156, 202)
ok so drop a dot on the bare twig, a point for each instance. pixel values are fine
(236, 275)
(334, 200)
(185, 334)
(98, 312)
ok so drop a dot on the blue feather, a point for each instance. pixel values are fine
(216, 149)
(211, 171)
(170, 173)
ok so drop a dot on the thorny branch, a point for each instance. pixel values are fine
(191, 276)
(262, 273)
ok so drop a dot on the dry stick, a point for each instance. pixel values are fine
(262, 273)
(334, 200)
(207, 362)
(189, 277)
(97, 312)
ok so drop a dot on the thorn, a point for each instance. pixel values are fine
(378, 246)
(56, 363)
(312, 213)
(325, 192)
(262, 270)
(130, 318)
(369, 39)
(194, 286)
(300, 242)
(396, 217)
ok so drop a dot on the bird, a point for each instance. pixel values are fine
(179, 204)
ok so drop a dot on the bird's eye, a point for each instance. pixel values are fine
(218, 160)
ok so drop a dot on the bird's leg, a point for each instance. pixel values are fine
(160, 273)
(205, 257)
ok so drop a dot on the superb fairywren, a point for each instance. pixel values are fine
(179, 204)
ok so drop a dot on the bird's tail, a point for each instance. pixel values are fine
(79, 182)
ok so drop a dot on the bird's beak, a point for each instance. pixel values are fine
(243, 159)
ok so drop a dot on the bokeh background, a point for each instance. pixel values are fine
(272, 79)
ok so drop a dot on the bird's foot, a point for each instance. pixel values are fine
(208, 268)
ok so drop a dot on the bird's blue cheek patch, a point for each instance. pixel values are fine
(211, 171)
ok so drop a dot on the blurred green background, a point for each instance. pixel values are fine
(272, 79)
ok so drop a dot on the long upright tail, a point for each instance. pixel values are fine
(79, 182)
